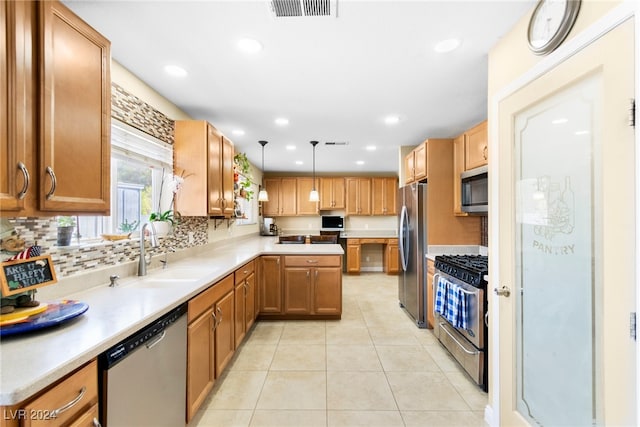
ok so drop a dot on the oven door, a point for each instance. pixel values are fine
(475, 309)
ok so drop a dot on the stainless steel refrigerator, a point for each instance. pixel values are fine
(412, 229)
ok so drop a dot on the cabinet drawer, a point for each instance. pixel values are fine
(393, 241)
(312, 261)
(77, 392)
(353, 241)
(244, 271)
(373, 241)
(88, 419)
(200, 303)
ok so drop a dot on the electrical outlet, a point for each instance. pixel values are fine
(366, 226)
(190, 237)
(309, 226)
(366, 259)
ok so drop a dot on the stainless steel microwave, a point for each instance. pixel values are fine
(475, 190)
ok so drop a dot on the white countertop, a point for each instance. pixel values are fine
(30, 362)
(434, 250)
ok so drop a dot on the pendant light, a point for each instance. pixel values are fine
(263, 196)
(313, 195)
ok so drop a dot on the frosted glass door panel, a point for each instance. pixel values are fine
(556, 245)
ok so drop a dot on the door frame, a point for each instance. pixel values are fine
(627, 9)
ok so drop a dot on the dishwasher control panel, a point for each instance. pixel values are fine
(145, 336)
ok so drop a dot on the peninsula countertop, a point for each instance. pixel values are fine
(31, 362)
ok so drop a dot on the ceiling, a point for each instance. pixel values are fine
(334, 78)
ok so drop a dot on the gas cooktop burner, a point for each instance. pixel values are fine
(468, 268)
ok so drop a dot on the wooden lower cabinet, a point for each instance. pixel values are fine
(391, 257)
(270, 290)
(244, 295)
(353, 256)
(313, 285)
(210, 340)
(430, 272)
(80, 387)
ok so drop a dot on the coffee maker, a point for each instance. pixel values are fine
(268, 227)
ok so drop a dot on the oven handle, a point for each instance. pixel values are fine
(436, 276)
(473, 353)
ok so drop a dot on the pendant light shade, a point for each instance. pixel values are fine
(263, 196)
(313, 195)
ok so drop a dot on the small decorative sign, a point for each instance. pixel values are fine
(22, 275)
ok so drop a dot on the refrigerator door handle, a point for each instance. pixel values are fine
(404, 241)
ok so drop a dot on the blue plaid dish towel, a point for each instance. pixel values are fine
(441, 296)
(463, 317)
(452, 311)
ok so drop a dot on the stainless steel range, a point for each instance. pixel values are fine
(460, 307)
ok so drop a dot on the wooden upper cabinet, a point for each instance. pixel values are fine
(16, 105)
(476, 146)
(458, 168)
(415, 164)
(358, 196)
(282, 197)
(304, 206)
(75, 112)
(207, 156)
(331, 193)
(55, 112)
(384, 196)
(420, 162)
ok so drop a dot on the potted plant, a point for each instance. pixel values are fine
(66, 225)
(163, 222)
(242, 167)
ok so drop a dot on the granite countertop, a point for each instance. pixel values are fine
(31, 362)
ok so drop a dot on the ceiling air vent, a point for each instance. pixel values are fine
(336, 143)
(289, 8)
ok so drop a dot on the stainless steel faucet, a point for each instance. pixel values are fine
(143, 262)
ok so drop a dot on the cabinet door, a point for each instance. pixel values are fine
(239, 313)
(16, 105)
(304, 187)
(384, 196)
(75, 150)
(224, 334)
(226, 178)
(458, 168)
(477, 148)
(326, 193)
(200, 361)
(338, 193)
(430, 296)
(214, 187)
(420, 162)
(288, 196)
(409, 168)
(297, 290)
(358, 196)
(249, 301)
(271, 285)
(272, 207)
(327, 290)
(353, 257)
(392, 260)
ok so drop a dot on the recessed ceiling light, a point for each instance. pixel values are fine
(290, 147)
(581, 132)
(370, 148)
(249, 45)
(238, 132)
(299, 162)
(448, 45)
(392, 120)
(559, 121)
(175, 71)
(281, 121)
(360, 162)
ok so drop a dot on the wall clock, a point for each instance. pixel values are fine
(550, 24)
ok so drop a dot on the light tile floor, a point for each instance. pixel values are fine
(373, 367)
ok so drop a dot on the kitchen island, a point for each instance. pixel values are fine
(31, 362)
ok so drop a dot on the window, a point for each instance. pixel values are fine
(140, 166)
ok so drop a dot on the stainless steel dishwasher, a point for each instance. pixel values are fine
(143, 378)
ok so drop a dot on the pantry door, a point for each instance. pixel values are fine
(567, 232)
